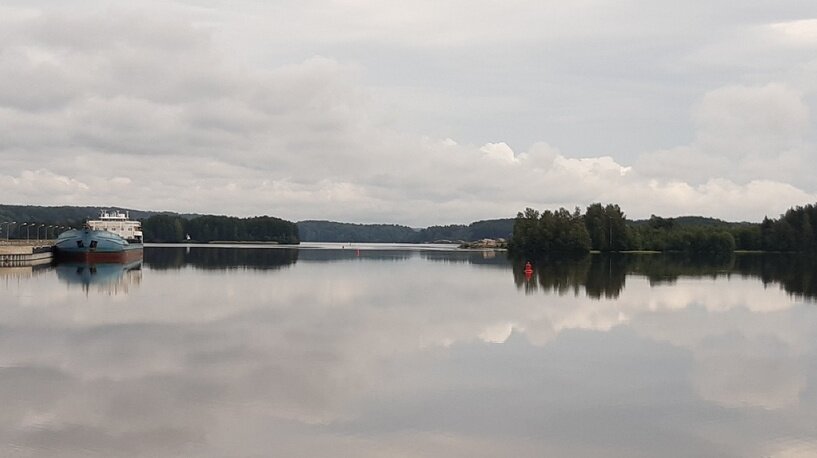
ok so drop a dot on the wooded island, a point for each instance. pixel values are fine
(605, 228)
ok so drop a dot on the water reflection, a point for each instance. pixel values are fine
(212, 258)
(481, 258)
(271, 257)
(112, 278)
(796, 274)
(352, 255)
(411, 354)
(23, 272)
(597, 276)
(605, 275)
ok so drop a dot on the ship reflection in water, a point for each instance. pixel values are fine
(111, 278)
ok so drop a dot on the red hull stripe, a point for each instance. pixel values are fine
(119, 256)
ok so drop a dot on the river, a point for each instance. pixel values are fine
(407, 351)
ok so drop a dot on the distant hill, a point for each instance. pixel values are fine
(309, 231)
(332, 231)
(691, 221)
(491, 229)
(69, 215)
(212, 228)
(157, 226)
(485, 229)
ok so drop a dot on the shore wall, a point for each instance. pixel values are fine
(25, 252)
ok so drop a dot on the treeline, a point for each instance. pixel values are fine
(60, 218)
(600, 227)
(478, 230)
(174, 227)
(330, 231)
(31, 221)
(795, 230)
(68, 215)
(557, 231)
(170, 228)
(605, 228)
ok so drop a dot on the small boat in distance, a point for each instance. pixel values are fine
(113, 237)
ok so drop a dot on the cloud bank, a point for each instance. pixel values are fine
(165, 107)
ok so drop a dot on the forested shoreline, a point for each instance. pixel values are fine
(28, 221)
(331, 231)
(169, 228)
(605, 228)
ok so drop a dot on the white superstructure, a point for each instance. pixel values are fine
(117, 223)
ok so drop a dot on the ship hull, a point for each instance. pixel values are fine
(87, 245)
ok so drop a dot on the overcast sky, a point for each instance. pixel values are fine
(418, 113)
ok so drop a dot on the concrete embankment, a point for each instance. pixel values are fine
(25, 252)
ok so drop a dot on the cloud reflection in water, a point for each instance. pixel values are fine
(317, 352)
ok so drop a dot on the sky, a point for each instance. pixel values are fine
(417, 113)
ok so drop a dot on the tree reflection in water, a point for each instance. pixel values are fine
(604, 275)
(596, 275)
(217, 258)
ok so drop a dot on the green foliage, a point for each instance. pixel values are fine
(491, 229)
(608, 228)
(701, 241)
(167, 228)
(162, 228)
(330, 231)
(35, 216)
(684, 221)
(747, 237)
(796, 230)
(692, 240)
(605, 226)
(559, 231)
(453, 233)
(67, 216)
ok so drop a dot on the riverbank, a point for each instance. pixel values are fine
(25, 252)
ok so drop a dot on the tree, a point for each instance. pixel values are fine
(596, 223)
(608, 228)
(557, 232)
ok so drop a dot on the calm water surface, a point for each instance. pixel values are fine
(363, 352)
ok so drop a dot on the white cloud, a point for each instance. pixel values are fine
(158, 100)
(801, 32)
(499, 151)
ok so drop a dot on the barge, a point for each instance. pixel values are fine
(113, 237)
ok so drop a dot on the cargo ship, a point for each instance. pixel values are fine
(113, 237)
